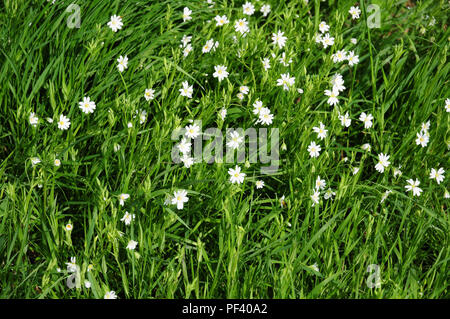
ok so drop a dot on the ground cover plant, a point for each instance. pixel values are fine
(103, 196)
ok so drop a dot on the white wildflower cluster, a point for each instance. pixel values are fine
(320, 185)
(423, 137)
(210, 45)
(324, 37)
(265, 117)
(192, 132)
(337, 86)
(186, 45)
(342, 55)
(243, 91)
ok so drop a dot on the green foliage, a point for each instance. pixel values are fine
(229, 241)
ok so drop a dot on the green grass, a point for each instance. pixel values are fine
(229, 241)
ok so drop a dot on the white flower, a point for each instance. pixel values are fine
(87, 106)
(383, 162)
(397, 171)
(259, 184)
(413, 186)
(115, 23)
(265, 10)
(123, 63)
(327, 40)
(318, 38)
(355, 170)
(149, 94)
(438, 175)
(279, 39)
(72, 266)
(422, 138)
(447, 105)
(366, 119)
(63, 123)
(184, 146)
(425, 126)
(244, 89)
(432, 21)
(87, 284)
(130, 125)
(186, 14)
(345, 120)
(223, 113)
(241, 26)
(116, 147)
(110, 295)
(185, 40)
(257, 107)
(355, 12)
(179, 198)
(337, 82)
(221, 20)
(266, 63)
(210, 45)
(127, 218)
(366, 147)
(339, 56)
(168, 200)
(132, 245)
(235, 175)
(332, 96)
(320, 183)
(321, 131)
(315, 197)
(385, 195)
(323, 27)
(57, 162)
(192, 131)
(69, 227)
(187, 50)
(187, 160)
(314, 149)
(235, 140)
(123, 198)
(35, 160)
(286, 81)
(353, 41)
(329, 194)
(284, 61)
(352, 58)
(265, 117)
(186, 90)
(248, 8)
(446, 194)
(33, 119)
(142, 116)
(220, 72)
(282, 202)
